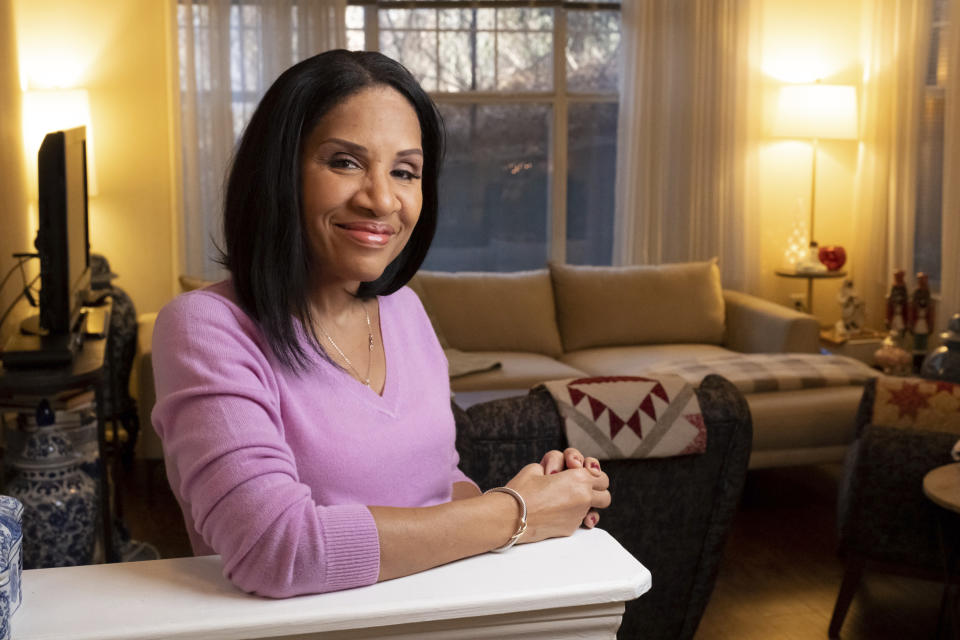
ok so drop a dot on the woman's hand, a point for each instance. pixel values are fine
(570, 458)
(559, 503)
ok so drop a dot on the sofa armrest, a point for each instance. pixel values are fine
(755, 325)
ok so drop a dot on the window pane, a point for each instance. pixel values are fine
(591, 171)
(593, 50)
(926, 241)
(356, 40)
(466, 62)
(525, 61)
(494, 188)
(354, 17)
(416, 50)
(464, 18)
(408, 18)
(525, 19)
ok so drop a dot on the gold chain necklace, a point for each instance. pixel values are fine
(364, 379)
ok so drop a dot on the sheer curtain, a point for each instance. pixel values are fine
(894, 37)
(229, 52)
(950, 255)
(688, 132)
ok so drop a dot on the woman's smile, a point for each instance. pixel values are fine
(372, 234)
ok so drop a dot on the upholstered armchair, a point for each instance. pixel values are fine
(673, 514)
(905, 428)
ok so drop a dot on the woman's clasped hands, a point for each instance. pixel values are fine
(562, 492)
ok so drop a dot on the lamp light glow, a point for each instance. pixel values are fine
(54, 110)
(825, 111)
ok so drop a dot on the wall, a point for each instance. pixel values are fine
(14, 217)
(801, 42)
(119, 51)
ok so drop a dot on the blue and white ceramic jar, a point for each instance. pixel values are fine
(11, 530)
(944, 362)
(59, 500)
(5, 611)
(80, 430)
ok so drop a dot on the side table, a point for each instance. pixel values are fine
(942, 487)
(810, 277)
(859, 347)
(27, 386)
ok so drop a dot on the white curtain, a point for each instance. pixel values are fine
(950, 243)
(688, 134)
(229, 54)
(895, 37)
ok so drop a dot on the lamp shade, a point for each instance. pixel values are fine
(816, 111)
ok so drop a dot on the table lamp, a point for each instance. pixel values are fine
(818, 111)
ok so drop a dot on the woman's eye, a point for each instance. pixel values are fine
(406, 175)
(343, 163)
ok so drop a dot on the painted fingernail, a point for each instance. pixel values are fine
(554, 471)
(592, 519)
(595, 465)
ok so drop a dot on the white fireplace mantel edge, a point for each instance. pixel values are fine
(565, 587)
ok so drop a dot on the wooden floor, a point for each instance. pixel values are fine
(778, 579)
(780, 573)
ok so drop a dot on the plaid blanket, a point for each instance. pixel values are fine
(759, 372)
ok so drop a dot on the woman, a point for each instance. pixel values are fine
(303, 404)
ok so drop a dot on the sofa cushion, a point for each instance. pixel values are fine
(517, 371)
(607, 306)
(479, 311)
(636, 360)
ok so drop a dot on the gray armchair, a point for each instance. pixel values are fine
(885, 521)
(673, 514)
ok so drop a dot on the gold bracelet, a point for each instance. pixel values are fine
(523, 517)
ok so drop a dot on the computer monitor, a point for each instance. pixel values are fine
(63, 240)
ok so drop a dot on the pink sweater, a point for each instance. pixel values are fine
(273, 470)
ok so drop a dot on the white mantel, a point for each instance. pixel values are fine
(562, 588)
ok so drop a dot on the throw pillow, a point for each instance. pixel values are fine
(661, 304)
(481, 311)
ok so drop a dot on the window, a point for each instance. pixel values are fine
(926, 247)
(528, 92)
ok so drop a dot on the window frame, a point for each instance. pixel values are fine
(934, 91)
(559, 98)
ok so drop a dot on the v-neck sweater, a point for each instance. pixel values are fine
(274, 470)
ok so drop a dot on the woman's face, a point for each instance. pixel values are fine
(361, 170)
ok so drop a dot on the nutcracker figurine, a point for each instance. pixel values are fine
(921, 314)
(897, 305)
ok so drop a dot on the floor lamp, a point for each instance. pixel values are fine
(817, 111)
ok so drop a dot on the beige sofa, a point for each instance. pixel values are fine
(570, 321)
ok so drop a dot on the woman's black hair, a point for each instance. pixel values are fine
(266, 248)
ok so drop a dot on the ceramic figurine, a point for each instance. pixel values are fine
(897, 304)
(852, 309)
(893, 360)
(59, 500)
(944, 362)
(921, 314)
(811, 262)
